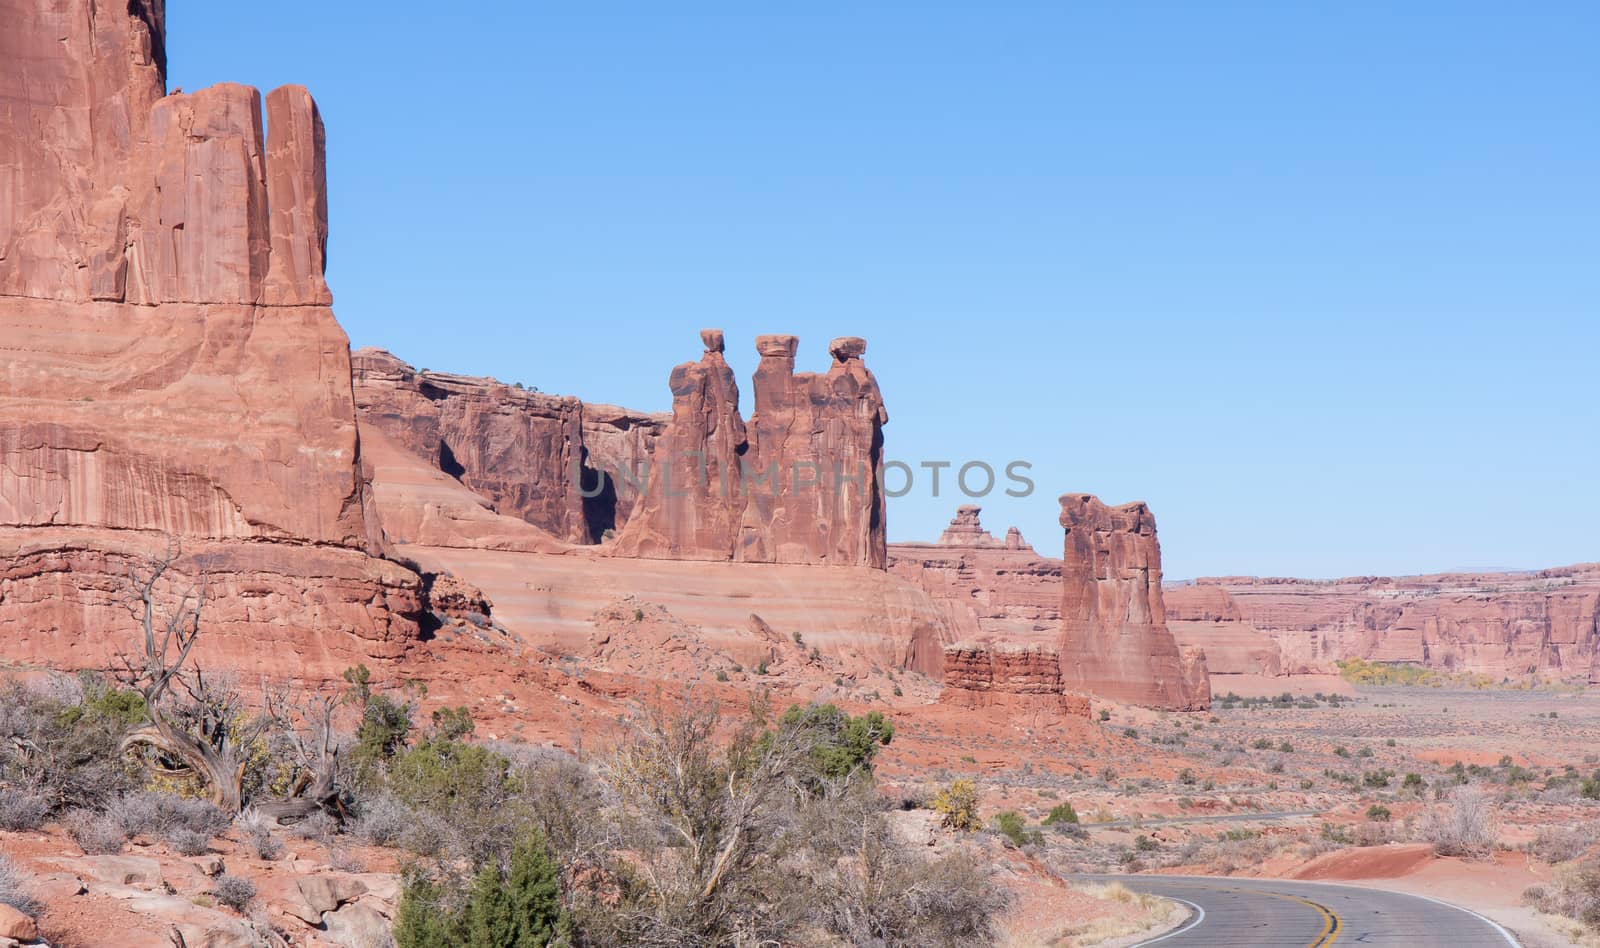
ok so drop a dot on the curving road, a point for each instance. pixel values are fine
(1272, 913)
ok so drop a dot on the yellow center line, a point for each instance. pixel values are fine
(1331, 924)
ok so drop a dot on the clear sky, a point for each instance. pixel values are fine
(1320, 282)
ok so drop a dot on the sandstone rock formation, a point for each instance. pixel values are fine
(173, 367)
(1504, 625)
(799, 484)
(1206, 617)
(994, 590)
(816, 445)
(695, 497)
(530, 455)
(1114, 638)
(1012, 677)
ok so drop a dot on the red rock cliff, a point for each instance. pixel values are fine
(1504, 625)
(173, 367)
(1114, 638)
(530, 455)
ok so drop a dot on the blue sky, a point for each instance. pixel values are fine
(1321, 283)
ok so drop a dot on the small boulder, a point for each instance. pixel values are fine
(15, 925)
(210, 865)
(124, 870)
(326, 893)
(355, 926)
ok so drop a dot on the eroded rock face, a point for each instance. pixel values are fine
(1504, 625)
(816, 443)
(993, 590)
(1206, 617)
(529, 455)
(1114, 638)
(798, 484)
(1013, 677)
(173, 369)
(693, 503)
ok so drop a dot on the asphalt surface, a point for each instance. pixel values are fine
(1245, 913)
(1268, 817)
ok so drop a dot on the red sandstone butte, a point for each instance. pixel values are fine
(1114, 638)
(1012, 677)
(173, 368)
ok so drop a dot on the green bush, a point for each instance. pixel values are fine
(1061, 813)
(519, 907)
(843, 745)
(1013, 827)
(1378, 813)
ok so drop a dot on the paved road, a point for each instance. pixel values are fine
(1269, 913)
(1247, 817)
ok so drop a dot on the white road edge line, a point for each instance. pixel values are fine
(1510, 938)
(1199, 916)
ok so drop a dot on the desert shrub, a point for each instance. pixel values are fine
(1378, 813)
(255, 831)
(426, 917)
(1105, 714)
(1555, 844)
(384, 729)
(1413, 781)
(1262, 744)
(1012, 826)
(16, 889)
(1377, 778)
(95, 833)
(319, 827)
(156, 814)
(1061, 813)
(381, 820)
(1464, 826)
(187, 842)
(888, 896)
(957, 804)
(453, 724)
(20, 810)
(460, 792)
(64, 750)
(236, 892)
(521, 905)
(1187, 777)
(1145, 844)
(842, 745)
(1574, 892)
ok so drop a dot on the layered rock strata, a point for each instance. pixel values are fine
(1010, 677)
(1114, 639)
(173, 369)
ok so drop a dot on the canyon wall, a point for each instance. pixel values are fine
(530, 455)
(173, 368)
(1114, 639)
(1503, 625)
(799, 484)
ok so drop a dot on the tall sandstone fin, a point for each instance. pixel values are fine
(1114, 637)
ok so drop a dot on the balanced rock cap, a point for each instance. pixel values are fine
(778, 345)
(846, 348)
(712, 338)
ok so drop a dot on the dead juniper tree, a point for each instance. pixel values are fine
(209, 732)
